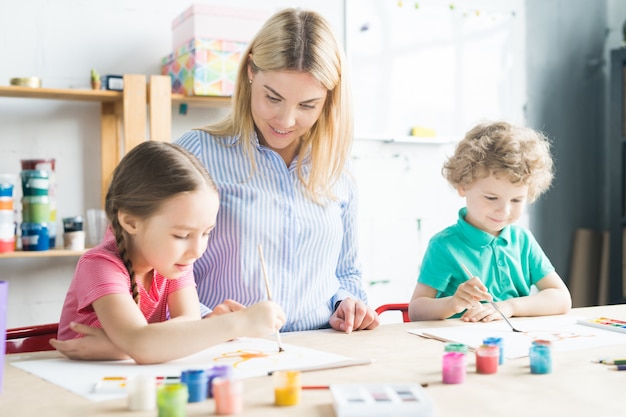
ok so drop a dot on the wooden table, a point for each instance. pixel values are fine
(576, 387)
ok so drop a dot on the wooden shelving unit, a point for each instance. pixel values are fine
(123, 118)
(201, 101)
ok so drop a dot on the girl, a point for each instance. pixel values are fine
(138, 285)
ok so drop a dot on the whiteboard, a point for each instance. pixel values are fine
(440, 65)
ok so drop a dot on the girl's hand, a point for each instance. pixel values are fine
(354, 315)
(93, 344)
(263, 319)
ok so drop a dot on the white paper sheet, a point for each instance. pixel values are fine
(249, 357)
(562, 331)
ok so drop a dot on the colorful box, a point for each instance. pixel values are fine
(205, 21)
(204, 67)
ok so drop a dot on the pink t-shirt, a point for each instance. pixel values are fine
(100, 271)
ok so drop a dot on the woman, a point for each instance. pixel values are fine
(279, 161)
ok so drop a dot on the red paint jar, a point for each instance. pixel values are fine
(487, 357)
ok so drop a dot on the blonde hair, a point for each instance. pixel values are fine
(298, 40)
(519, 154)
(149, 174)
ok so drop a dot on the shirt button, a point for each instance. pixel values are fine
(501, 262)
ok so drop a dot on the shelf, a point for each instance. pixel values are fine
(201, 101)
(99, 96)
(41, 254)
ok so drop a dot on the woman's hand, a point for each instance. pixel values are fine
(354, 315)
(93, 344)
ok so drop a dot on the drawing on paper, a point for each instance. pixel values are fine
(240, 356)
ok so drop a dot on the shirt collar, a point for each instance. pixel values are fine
(479, 238)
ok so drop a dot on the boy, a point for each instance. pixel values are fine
(498, 168)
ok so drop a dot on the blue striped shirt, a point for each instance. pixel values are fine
(310, 250)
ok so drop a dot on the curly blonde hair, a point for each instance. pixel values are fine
(518, 153)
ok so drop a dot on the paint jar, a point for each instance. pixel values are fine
(197, 382)
(36, 209)
(6, 203)
(7, 182)
(141, 392)
(74, 240)
(218, 371)
(35, 182)
(228, 394)
(73, 224)
(487, 359)
(540, 356)
(172, 400)
(455, 347)
(35, 236)
(287, 387)
(7, 230)
(498, 342)
(7, 216)
(7, 245)
(454, 367)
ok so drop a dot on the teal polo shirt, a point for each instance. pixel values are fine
(508, 264)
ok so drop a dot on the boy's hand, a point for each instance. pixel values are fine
(469, 295)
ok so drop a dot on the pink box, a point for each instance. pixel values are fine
(204, 67)
(205, 21)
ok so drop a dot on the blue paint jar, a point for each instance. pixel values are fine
(540, 359)
(197, 382)
(35, 236)
(6, 190)
(498, 342)
(6, 185)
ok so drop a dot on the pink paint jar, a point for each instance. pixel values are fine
(487, 357)
(454, 368)
(228, 396)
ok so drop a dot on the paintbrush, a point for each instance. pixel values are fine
(493, 304)
(269, 294)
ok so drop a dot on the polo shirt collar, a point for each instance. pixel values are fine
(479, 238)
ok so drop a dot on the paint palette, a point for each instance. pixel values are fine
(381, 400)
(605, 323)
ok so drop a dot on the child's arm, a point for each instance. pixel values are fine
(147, 343)
(553, 298)
(425, 306)
(95, 345)
(92, 345)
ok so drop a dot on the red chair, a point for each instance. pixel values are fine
(403, 307)
(31, 338)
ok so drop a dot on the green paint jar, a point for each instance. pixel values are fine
(36, 209)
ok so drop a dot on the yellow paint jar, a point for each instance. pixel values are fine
(287, 388)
